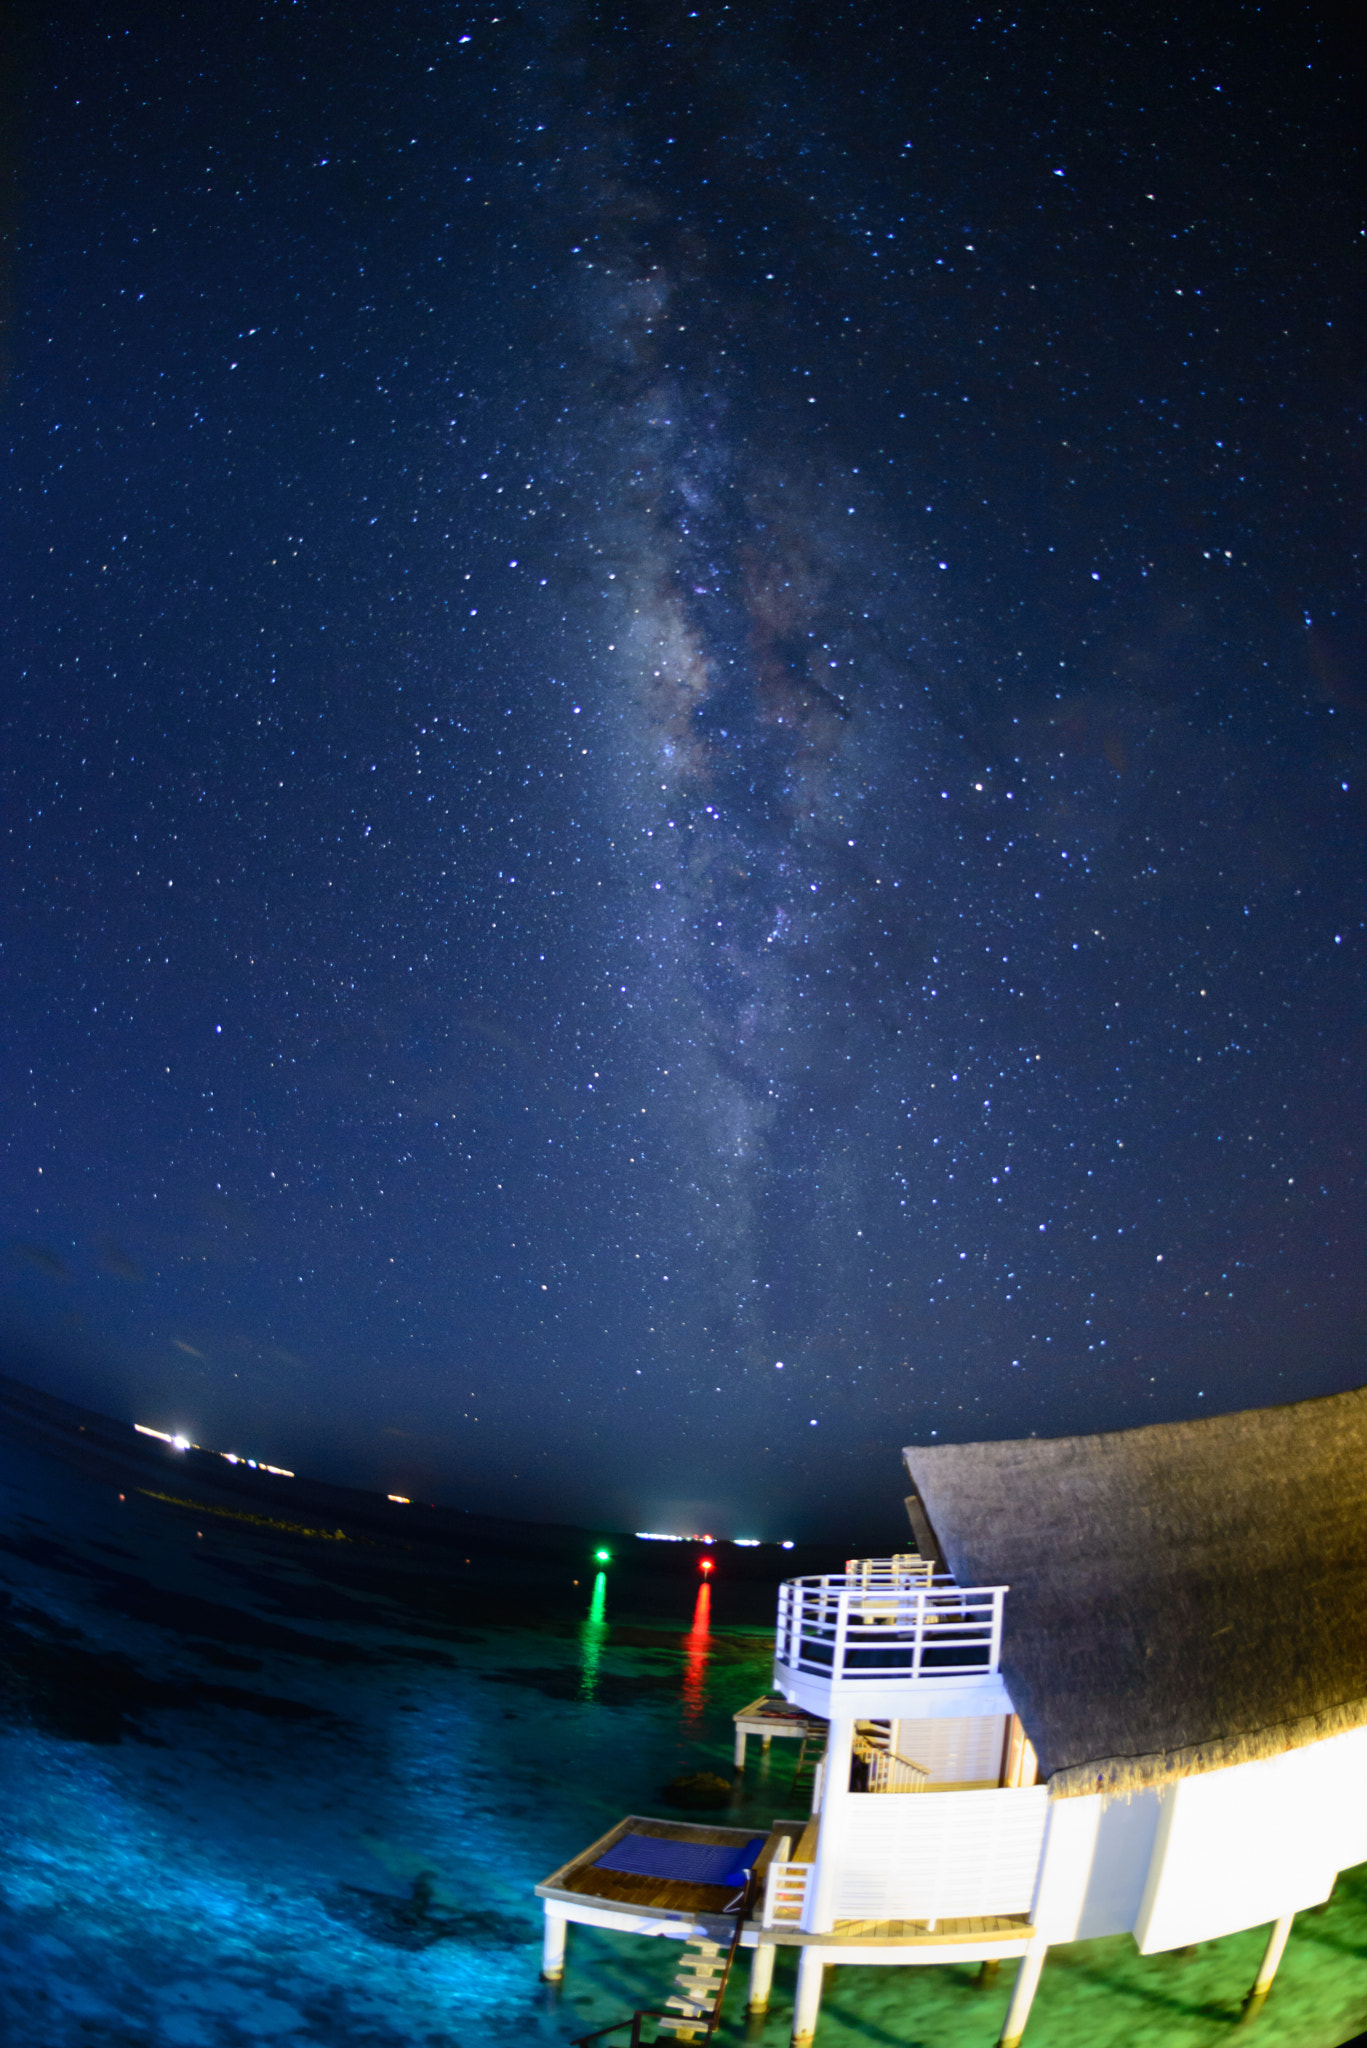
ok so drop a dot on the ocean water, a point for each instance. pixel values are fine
(265, 1784)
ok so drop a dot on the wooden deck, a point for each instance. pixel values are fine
(771, 1714)
(581, 1880)
(990, 1927)
(894, 1934)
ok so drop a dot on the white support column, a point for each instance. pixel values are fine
(835, 1794)
(811, 1969)
(553, 1946)
(740, 1749)
(1023, 1995)
(762, 1976)
(1267, 1969)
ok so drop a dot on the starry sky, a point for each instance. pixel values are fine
(684, 736)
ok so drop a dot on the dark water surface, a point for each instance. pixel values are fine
(268, 1781)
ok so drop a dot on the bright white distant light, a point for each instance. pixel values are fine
(163, 1436)
(183, 1443)
(786, 1544)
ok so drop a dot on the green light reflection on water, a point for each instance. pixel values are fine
(591, 1637)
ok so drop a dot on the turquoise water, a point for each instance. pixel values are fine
(260, 1786)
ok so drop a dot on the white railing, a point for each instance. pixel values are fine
(877, 1626)
(785, 1894)
(889, 1772)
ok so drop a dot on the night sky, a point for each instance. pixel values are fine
(684, 737)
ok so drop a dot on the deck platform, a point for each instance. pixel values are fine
(906, 1933)
(772, 1715)
(581, 1891)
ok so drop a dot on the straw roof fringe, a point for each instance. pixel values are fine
(1126, 1774)
(1183, 1597)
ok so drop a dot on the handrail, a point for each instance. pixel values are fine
(632, 2020)
(917, 1775)
(873, 1752)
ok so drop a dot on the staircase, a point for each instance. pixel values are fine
(888, 1772)
(693, 2007)
(811, 1755)
(699, 1983)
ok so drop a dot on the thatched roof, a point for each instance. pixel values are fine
(1182, 1597)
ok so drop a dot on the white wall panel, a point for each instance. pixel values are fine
(938, 1855)
(1345, 1767)
(1096, 1862)
(1123, 1851)
(964, 1751)
(1239, 1847)
(1069, 1846)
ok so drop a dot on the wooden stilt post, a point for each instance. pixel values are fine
(811, 1969)
(1023, 1995)
(762, 1976)
(553, 1947)
(1267, 1969)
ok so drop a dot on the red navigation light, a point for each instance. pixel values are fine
(706, 1564)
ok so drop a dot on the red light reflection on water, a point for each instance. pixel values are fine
(696, 1645)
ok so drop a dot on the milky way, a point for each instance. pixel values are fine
(685, 727)
(757, 721)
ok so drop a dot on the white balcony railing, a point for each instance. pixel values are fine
(874, 1628)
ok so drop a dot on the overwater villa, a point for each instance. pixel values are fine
(1119, 1687)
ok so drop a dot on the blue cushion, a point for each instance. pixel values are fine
(719, 1863)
